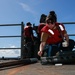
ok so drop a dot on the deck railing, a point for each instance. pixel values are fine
(14, 36)
(22, 38)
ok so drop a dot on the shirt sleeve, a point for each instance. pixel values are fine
(62, 27)
(44, 37)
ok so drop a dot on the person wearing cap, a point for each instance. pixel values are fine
(51, 36)
(28, 32)
(29, 39)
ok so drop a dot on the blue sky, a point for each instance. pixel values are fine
(16, 11)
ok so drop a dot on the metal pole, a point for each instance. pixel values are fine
(22, 41)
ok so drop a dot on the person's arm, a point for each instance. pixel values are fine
(44, 37)
(42, 45)
(66, 37)
(32, 37)
(31, 32)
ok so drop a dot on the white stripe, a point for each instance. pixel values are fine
(61, 27)
(51, 31)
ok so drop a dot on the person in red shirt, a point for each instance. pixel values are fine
(28, 33)
(51, 36)
(29, 40)
(42, 23)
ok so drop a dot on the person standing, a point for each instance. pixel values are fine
(28, 32)
(29, 39)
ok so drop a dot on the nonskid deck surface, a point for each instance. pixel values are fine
(34, 67)
(38, 69)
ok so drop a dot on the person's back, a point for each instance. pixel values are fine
(28, 32)
(42, 23)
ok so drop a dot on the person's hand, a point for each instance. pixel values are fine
(65, 44)
(40, 53)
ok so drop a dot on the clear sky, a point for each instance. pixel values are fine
(16, 11)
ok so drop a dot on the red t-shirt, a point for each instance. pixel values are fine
(28, 31)
(41, 25)
(55, 36)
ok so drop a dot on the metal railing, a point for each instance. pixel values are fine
(68, 23)
(21, 36)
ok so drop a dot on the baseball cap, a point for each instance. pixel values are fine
(28, 23)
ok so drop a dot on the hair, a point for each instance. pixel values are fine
(28, 24)
(43, 18)
(52, 16)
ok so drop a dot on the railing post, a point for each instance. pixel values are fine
(22, 41)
